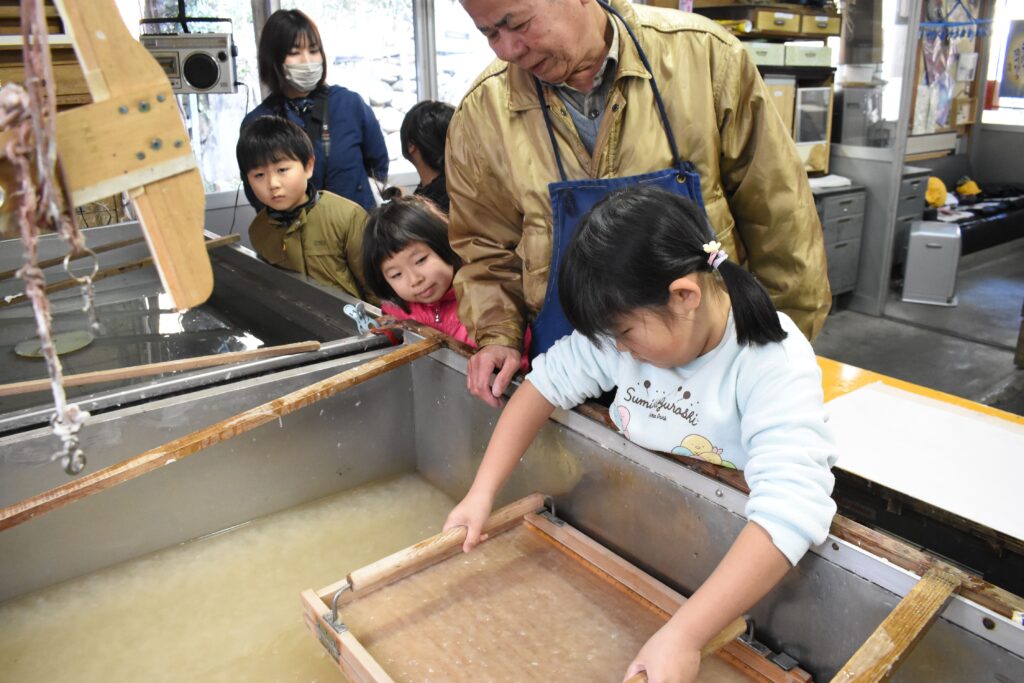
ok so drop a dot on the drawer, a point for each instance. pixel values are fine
(843, 260)
(843, 228)
(787, 22)
(911, 186)
(910, 205)
(766, 54)
(817, 24)
(808, 55)
(844, 205)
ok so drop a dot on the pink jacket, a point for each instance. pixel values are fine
(443, 316)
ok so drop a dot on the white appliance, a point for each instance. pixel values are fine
(933, 254)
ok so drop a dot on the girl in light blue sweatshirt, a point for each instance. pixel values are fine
(703, 367)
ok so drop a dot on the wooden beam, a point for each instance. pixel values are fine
(149, 369)
(197, 441)
(896, 636)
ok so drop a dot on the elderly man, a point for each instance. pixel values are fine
(583, 98)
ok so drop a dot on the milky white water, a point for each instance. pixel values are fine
(224, 608)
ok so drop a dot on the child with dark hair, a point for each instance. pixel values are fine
(422, 136)
(410, 265)
(705, 368)
(316, 233)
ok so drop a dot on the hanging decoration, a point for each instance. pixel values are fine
(945, 29)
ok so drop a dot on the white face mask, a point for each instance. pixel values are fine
(304, 77)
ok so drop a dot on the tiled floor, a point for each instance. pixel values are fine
(966, 350)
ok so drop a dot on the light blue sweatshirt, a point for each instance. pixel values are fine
(755, 408)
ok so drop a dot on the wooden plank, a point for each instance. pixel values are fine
(902, 555)
(134, 138)
(629, 575)
(114, 270)
(199, 440)
(896, 636)
(149, 369)
(169, 198)
(436, 548)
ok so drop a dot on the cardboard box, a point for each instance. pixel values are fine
(782, 91)
(808, 55)
(766, 54)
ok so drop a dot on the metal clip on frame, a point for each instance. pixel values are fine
(364, 323)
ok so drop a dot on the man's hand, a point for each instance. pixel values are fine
(481, 368)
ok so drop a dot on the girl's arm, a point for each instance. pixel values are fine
(751, 568)
(519, 423)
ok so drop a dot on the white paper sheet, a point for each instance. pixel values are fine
(956, 459)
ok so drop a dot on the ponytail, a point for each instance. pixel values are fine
(753, 312)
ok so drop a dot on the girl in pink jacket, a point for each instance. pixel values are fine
(409, 264)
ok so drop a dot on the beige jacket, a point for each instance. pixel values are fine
(324, 243)
(499, 163)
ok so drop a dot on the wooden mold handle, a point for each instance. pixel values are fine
(434, 549)
(888, 647)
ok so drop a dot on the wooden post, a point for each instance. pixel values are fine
(897, 635)
(194, 442)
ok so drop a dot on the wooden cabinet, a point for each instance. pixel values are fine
(781, 20)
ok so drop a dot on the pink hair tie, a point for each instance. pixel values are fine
(715, 254)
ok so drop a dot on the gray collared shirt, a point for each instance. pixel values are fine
(587, 109)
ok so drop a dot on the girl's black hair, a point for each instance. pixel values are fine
(270, 139)
(285, 29)
(426, 125)
(631, 246)
(391, 227)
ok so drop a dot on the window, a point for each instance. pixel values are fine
(1006, 65)
(369, 48)
(462, 51)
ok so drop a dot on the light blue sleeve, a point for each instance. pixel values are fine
(791, 450)
(574, 369)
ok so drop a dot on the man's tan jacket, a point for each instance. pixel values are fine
(499, 163)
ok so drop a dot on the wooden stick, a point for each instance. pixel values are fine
(148, 369)
(194, 442)
(46, 263)
(113, 270)
(436, 548)
(897, 635)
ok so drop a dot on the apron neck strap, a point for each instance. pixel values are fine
(654, 84)
(654, 87)
(551, 131)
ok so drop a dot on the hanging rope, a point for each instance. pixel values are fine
(29, 112)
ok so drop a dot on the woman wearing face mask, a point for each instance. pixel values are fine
(347, 141)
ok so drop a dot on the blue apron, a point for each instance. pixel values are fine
(571, 199)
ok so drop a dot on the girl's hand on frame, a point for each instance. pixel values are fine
(471, 513)
(665, 659)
